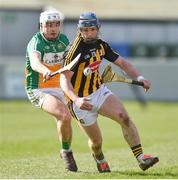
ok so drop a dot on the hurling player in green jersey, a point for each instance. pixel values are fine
(45, 55)
(90, 97)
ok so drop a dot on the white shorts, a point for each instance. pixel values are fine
(37, 96)
(87, 118)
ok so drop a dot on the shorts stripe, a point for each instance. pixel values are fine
(33, 99)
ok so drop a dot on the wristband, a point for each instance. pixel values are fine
(139, 78)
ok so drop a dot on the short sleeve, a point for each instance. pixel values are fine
(35, 45)
(110, 54)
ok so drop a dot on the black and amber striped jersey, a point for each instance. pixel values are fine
(90, 53)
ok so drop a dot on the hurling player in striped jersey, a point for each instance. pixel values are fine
(89, 96)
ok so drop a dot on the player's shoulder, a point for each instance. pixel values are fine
(102, 41)
(37, 38)
(64, 38)
(36, 41)
(77, 43)
(78, 39)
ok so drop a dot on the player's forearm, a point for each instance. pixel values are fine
(36, 64)
(38, 67)
(67, 87)
(128, 68)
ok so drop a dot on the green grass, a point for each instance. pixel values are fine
(29, 146)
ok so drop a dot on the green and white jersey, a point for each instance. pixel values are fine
(51, 56)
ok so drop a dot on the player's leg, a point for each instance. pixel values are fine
(95, 144)
(95, 138)
(117, 112)
(87, 120)
(59, 110)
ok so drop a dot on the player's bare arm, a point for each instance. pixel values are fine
(131, 71)
(81, 102)
(36, 64)
(44, 58)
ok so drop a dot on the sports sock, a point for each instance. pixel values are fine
(65, 145)
(137, 151)
(100, 158)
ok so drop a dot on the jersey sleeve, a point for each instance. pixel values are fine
(110, 54)
(35, 45)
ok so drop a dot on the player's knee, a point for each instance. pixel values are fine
(64, 116)
(124, 118)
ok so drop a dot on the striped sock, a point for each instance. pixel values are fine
(137, 150)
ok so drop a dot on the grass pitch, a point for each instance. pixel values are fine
(29, 146)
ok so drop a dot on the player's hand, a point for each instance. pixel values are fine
(147, 84)
(84, 103)
(46, 75)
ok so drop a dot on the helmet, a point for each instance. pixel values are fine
(88, 19)
(50, 15)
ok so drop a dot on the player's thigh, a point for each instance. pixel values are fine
(93, 132)
(113, 108)
(55, 106)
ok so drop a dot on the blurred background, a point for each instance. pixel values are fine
(143, 31)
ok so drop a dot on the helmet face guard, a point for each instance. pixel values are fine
(88, 19)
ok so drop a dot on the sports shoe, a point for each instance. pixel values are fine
(147, 161)
(103, 166)
(69, 161)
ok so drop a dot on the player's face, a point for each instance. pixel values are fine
(89, 34)
(51, 30)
